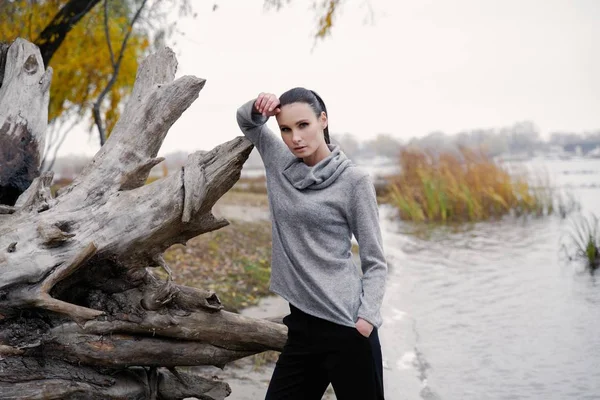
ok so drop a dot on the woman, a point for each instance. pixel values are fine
(318, 199)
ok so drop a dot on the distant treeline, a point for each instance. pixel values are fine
(520, 138)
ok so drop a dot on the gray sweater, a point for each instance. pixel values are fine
(314, 211)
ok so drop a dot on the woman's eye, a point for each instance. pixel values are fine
(285, 129)
(303, 124)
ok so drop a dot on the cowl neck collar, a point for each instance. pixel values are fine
(320, 175)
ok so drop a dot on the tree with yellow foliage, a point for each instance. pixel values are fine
(93, 49)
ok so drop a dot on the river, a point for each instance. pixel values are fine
(491, 310)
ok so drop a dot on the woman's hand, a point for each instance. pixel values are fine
(364, 327)
(267, 104)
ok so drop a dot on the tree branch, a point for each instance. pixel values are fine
(116, 66)
(107, 34)
(224, 329)
(56, 31)
(59, 144)
(55, 379)
(24, 98)
(119, 350)
(154, 105)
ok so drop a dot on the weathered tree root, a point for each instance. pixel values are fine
(82, 315)
(55, 379)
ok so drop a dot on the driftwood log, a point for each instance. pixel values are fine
(82, 313)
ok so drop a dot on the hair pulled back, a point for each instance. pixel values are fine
(302, 95)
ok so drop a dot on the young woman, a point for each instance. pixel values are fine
(318, 199)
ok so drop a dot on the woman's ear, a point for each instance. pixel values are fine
(323, 120)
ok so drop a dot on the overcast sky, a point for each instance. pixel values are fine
(407, 69)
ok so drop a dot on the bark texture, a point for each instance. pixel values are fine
(82, 314)
(24, 96)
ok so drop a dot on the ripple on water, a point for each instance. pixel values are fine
(492, 311)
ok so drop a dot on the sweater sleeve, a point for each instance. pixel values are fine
(364, 223)
(253, 126)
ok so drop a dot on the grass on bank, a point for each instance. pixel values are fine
(582, 241)
(468, 186)
(233, 261)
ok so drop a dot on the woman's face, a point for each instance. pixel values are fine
(301, 130)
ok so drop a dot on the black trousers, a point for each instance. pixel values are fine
(319, 352)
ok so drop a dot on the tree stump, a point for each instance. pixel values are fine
(82, 313)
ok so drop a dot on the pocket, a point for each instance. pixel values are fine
(360, 334)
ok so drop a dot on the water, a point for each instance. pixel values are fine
(491, 310)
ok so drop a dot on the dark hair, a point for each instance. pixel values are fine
(302, 95)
